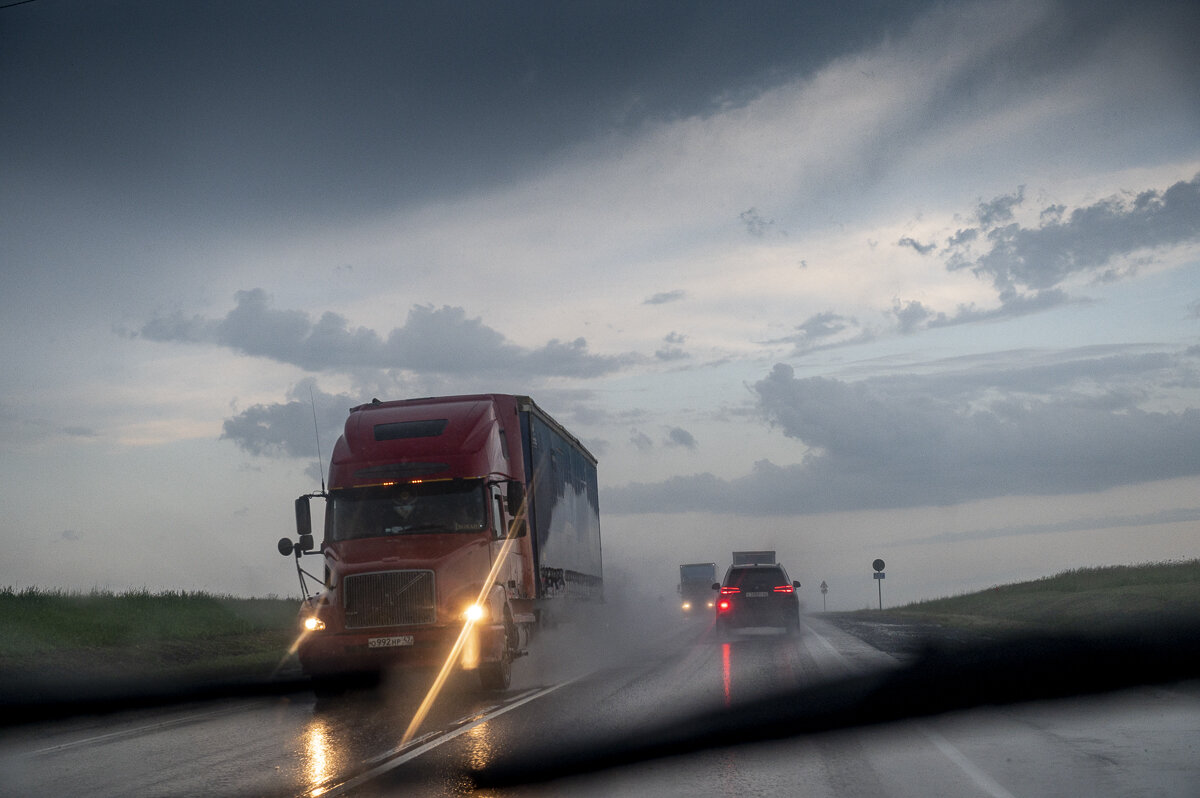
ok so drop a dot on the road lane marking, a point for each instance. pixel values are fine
(981, 779)
(972, 771)
(151, 727)
(812, 634)
(423, 745)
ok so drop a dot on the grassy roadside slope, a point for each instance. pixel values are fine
(1085, 599)
(1073, 598)
(58, 635)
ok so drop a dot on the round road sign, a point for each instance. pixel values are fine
(877, 565)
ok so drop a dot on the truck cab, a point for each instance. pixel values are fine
(431, 545)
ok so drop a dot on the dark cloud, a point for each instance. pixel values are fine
(1022, 425)
(1028, 264)
(962, 238)
(1087, 240)
(432, 341)
(677, 436)
(1012, 304)
(673, 350)
(290, 429)
(756, 224)
(665, 297)
(913, 316)
(1000, 209)
(641, 441)
(326, 110)
(825, 331)
(921, 249)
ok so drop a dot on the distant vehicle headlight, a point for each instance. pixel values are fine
(687, 605)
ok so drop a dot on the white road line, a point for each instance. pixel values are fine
(811, 634)
(165, 724)
(433, 741)
(981, 779)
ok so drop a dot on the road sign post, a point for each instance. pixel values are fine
(879, 576)
(824, 590)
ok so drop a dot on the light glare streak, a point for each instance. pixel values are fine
(468, 627)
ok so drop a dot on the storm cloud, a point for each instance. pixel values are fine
(1089, 240)
(291, 428)
(431, 341)
(1021, 425)
(1028, 266)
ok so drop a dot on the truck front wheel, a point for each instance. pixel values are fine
(498, 675)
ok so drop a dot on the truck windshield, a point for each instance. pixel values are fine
(697, 573)
(406, 510)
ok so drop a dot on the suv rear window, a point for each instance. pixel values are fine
(756, 578)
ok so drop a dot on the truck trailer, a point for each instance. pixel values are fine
(695, 586)
(453, 526)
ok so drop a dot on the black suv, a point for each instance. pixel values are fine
(757, 595)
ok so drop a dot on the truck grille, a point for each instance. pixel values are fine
(389, 598)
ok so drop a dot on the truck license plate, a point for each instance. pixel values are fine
(756, 595)
(385, 642)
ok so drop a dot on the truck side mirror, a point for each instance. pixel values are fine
(303, 520)
(285, 546)
(516, 497)
(305, 543)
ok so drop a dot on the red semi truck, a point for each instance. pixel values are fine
(476, 513)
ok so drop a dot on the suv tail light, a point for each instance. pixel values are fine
(729, 591)
(784, 589)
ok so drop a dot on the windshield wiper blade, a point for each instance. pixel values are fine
(942, 679)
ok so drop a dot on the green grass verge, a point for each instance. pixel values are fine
(54, 633)
(1079, 598)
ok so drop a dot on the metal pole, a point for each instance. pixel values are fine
(879, 582)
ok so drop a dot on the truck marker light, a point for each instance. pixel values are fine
(312, 624)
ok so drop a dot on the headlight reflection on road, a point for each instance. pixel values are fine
(318, 755)
(480, 751)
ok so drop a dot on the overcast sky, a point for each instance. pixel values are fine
(918, 281)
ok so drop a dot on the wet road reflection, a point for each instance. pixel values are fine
(319, 753)
(580, 688)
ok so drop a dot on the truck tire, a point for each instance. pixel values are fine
(498, 675)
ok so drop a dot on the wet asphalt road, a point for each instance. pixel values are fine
(618, 679)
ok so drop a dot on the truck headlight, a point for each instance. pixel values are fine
(475, 613)
(313, 624)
